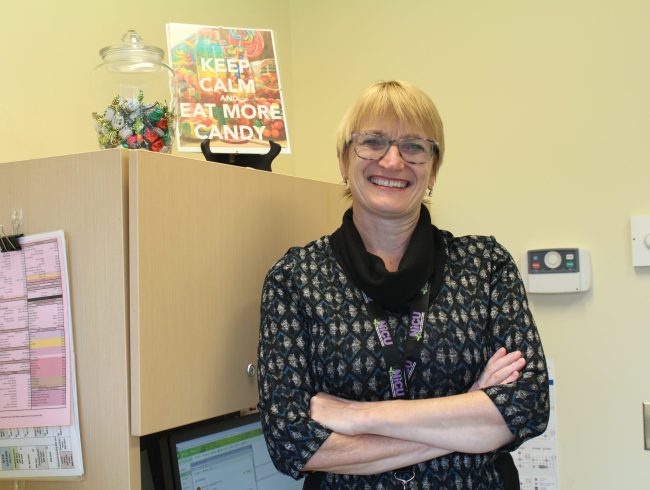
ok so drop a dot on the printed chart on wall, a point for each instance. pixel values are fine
(39, 427)
(536, 459)
(228, 89)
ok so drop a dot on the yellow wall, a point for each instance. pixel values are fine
(546, 111)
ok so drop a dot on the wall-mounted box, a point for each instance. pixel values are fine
(640, 228)
(556, 270)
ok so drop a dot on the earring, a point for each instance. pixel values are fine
(344, 181)
(430, 193)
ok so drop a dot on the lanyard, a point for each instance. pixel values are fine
(400, 367)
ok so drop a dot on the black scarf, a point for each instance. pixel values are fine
(424, 259)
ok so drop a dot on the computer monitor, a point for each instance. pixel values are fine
(225, 455)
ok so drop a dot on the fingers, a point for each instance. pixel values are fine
(335, 413)
(502, 368)
(497, 355)
(326, 396)
(512, 378)
(502, 373)
(323, 403)
(501, 359)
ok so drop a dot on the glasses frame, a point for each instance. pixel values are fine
(435, 148)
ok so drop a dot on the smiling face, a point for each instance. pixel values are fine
(388, 187)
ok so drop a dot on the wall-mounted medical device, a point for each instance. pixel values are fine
(556, 270)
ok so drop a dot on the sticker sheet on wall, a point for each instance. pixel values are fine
(228, 88)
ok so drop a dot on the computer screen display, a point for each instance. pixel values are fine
(226, 455)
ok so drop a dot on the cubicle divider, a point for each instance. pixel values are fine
(166, 258)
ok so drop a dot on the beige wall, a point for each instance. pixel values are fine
(546, 110)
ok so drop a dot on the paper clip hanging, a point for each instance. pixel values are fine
(16, 221)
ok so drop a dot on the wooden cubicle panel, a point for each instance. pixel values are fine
(85, 196)
(202, 236)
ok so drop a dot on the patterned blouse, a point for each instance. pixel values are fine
(316, 335)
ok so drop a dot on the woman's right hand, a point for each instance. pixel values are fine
(502, 368)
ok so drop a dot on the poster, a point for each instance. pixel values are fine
(39, 421)
(228, 89)
(537, 459)
(35, 331)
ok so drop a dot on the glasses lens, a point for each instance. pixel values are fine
(371, 146)
(415, 150)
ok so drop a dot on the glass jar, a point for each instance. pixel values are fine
(134, 94)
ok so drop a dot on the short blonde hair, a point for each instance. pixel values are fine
(395, 98)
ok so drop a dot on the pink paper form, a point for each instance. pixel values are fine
(35, 348)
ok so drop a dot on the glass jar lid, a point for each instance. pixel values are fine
(131, 49)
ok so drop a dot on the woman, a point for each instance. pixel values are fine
(393, 354)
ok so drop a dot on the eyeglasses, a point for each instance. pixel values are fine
(416, 151)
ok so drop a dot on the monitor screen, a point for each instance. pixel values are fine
(225, 455)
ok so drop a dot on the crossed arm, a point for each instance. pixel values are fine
(373, 437)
